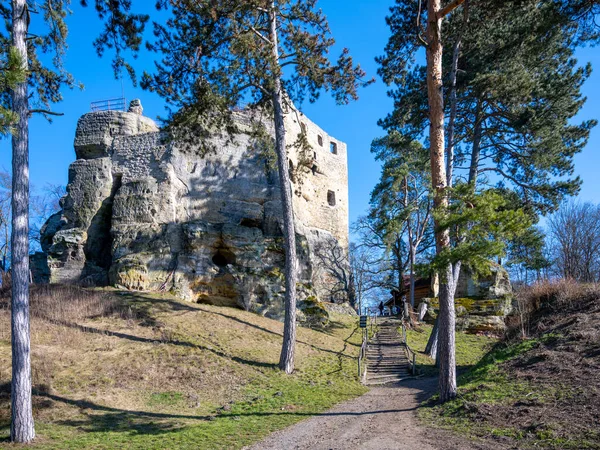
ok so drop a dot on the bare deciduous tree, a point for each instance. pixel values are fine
(574, 233)
(362, 281)
(334, 266)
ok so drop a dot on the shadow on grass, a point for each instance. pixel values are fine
(143, 312)
(99, 418)
(143, 304)
(266, 330)
(431, 370)
(346, 343)
(144, 422)
(134, 338)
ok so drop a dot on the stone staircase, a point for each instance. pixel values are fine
(387, 360)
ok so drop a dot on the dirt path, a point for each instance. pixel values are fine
(382, 419)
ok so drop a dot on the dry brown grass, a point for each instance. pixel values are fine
(125, 351)
(57, 304)
(548, 297)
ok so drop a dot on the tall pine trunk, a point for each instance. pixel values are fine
(21, 427)
(446, 318)
(286, 360)
(453, 105)
(476, 150)
(413, 252)
(446, 357)
(432, 343)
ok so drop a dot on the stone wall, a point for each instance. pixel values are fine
(145, 213)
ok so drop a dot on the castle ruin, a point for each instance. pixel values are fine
(145, 213)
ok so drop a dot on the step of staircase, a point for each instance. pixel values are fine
(386, 357)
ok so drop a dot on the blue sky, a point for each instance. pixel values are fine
(358, 25)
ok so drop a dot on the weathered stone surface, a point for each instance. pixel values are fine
(96, 131)
(495, 285)
(144, 213)
(135, 106)
(482, 302)
(481, 324)
(340, 308)
(475, 314)
(38, 263)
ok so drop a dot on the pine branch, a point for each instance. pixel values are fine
(45, 112)
(419, 35)
(449, 8)
(260, 35)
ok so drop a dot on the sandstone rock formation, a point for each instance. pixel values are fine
(144, 213)
(482, 303)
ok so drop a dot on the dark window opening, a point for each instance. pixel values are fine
(223, 257)
(292, 173)
(331, 198)
(251, 223)
(314, 169)
(320, 140)
(333, 148)
(314, 155)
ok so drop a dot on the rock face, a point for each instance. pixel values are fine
(482, 303)
(144, 213)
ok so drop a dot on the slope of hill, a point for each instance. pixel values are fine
(542, 391)
(114, 370)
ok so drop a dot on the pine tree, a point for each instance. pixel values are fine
(12, 73)
(216, 55)
(401, 201)
(514, 88)
(46, 82)
(34, 78)
(407, 36)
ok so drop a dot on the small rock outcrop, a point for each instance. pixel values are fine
(482, 302)
(144, 213)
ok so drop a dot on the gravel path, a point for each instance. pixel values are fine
(382, 419)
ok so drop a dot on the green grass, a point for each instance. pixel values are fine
(470, 349)
(175, 375)
(263, 411)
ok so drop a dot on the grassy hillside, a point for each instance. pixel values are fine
(470, 348)
(114, 370)
(541, 390)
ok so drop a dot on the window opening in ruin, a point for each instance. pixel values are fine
(314, 169)
(333, 148)
(292, 173)
(331, 198)
(320, 140)
(223, 257)
(251, 223)
(315, 155)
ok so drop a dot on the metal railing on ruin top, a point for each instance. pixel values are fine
(113, 104)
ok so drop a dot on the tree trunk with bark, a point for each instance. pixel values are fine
(446, 317)
(21, 427)
(286, 360)
(446, 352)
(413, 252)
(453, 106)
(476, 149)
(432, 344)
